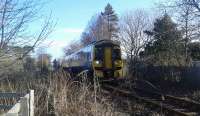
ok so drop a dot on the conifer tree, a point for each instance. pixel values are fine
(167, 47)
(110, 22)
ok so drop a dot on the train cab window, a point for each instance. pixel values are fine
(116, 55)
(99, 53)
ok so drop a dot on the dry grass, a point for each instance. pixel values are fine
(79, 98)
(59, 95)
(23, 85)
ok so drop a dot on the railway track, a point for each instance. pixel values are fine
(169, 105)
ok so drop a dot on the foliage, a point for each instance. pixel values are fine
(194, 50)
(167, 46)
(111, 20)
(72, 47)
(186, 13)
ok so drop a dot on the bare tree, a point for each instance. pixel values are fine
(194, 3)
(186, 13)
(96, 30)
(71, 48)
(96, 27)
(103, 25)
(195, 6)
(131, 35)
(185, 16)
(15, 18)
(186, 27)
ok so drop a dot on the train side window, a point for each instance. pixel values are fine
(116, 55)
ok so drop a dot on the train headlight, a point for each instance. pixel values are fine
(97, 62)
(118, 62)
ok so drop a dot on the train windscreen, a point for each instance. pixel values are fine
(116, 54)
(99, 51)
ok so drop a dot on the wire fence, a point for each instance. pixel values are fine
(17, 104)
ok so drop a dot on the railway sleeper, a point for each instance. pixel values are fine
(168, 109)
(179, 109)
(186, 112)
(191, 113)
(165, 107)
(185, 103)
(193, 105)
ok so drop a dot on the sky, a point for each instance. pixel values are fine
(72, 17)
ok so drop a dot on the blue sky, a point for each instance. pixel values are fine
(72, 17)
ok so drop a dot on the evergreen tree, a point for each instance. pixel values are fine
(194, 50)
(110, 22)
(167, 47)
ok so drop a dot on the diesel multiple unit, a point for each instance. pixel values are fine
(101, 58)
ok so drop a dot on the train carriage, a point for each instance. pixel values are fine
(101, 58)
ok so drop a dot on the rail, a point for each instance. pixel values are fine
(170, 104)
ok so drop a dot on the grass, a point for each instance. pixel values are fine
(59, 95)
(78, 98)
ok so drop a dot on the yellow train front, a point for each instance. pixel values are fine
(107, 62)
(102, 59)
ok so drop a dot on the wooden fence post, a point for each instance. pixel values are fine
(31, 103)
(24, 106)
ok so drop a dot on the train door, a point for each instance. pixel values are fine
(108, 58)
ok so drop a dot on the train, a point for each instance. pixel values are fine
(102, 59)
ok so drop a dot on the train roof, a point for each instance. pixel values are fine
(106, 41)
(100, 42)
